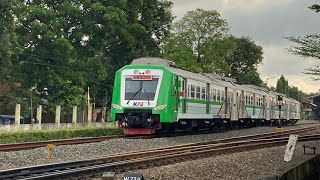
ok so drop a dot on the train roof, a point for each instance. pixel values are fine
(153, 61)
(204, 77)
(253, 88)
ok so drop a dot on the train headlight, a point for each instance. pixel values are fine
(160, 107)
(116, 106)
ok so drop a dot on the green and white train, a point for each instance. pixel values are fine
(151, 95)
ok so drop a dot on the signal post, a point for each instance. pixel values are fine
(279, 100)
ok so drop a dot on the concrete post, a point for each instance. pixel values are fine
(39, 113)
(74, 115)
(17, 114)
(104, 110)
(89, 114)
(58, 111)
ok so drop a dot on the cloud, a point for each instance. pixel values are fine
(267, 22)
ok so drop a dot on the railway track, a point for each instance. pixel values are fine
(156, 156)
(60, 142)
(32, 145)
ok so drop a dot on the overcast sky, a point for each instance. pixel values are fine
(267, 22)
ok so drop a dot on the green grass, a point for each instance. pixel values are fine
(43, 135)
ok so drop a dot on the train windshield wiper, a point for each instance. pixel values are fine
(134, 95)
(147, 96)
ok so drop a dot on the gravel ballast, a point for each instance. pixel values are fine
(238, 165)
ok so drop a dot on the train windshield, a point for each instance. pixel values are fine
(140, 89)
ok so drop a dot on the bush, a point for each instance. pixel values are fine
(44, 135)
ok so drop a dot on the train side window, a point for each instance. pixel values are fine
(188, 91)
(207, 93)
(198, 92)
(247, 100)
(214, 95)
(218, 95)
(222, 95)
(192, 92)
(203, 92)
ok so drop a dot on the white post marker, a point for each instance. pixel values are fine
(290, 147)
(58, 113)
(39, 114)
(74, 114)
(17, 114)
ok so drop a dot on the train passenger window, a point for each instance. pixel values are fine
(203, 92)
(188, 91)
(198, 92)
(218, 95)
(214, 95)
(222, 95)
(192, 92)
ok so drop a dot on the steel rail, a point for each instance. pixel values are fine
(32, 145)
(160, 152)
(153, 160)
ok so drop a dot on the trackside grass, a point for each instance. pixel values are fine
(43, 135)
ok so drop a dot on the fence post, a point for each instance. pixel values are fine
(58, 111)
(89, 114)
(39, 114)
(17, 114)
(74, 115)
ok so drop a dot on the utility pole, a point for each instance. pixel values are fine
(31, 109)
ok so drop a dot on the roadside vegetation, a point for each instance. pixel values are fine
(54, 134)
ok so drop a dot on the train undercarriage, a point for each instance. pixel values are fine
(144, 122)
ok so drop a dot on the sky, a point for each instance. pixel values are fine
(267, 22)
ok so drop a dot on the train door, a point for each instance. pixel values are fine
(227, 103)
(235, 104)
(207, 96)
(263, 108)
(183, 95)
(241, 104)
(180, 87)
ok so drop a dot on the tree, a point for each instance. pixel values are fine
(295, 93)
(244, 60)
(8, 46)
(71, 45)
(175, 49)
(216, 53)
(282, 85)
(308, 46)
(199, 27)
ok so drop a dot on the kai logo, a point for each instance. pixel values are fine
(137, 103)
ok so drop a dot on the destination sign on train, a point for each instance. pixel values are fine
(141, 77)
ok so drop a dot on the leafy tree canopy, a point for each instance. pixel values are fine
(199, 43)
(8, 46)
(244, 61)
(70, 45)
(198, 27)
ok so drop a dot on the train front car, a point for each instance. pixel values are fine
(142, 98)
